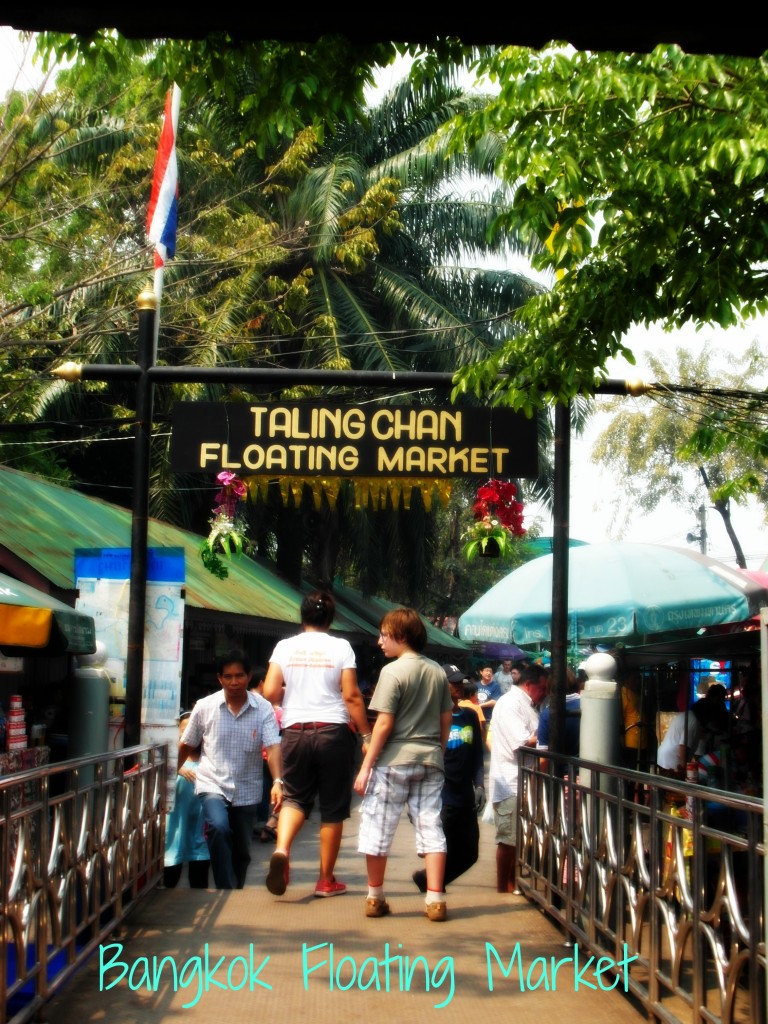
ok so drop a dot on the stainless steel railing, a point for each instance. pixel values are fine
(637, 865)
(80, 843)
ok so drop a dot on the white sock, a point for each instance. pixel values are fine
(434, 897)
(375, 892)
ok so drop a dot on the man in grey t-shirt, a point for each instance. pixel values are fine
(403, 763)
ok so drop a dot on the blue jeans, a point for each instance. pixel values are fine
(228, 831)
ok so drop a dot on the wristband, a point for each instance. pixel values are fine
(367, 737)
(277, 780)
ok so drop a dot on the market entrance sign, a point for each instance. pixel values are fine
(300, 439)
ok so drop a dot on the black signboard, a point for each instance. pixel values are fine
(318, 439)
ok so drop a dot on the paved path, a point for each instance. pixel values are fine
(325, 963)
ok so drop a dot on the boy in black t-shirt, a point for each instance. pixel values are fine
(463, 795)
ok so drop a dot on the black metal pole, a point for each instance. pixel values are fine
(146, 375)
(560, 546)
(271, 377)
(134, 669)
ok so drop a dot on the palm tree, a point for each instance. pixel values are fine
(382, 227)
(383, 222)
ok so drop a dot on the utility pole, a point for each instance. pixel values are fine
(702, 534)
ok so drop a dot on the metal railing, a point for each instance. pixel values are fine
(80, 842)
(661, 875)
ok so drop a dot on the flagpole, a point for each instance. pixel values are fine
(158, 290)
(161, 229)
(134, 665)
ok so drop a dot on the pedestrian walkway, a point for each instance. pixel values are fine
(321, 960)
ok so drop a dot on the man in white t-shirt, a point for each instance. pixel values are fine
(321, 698)
(504, 676)
(515, 725)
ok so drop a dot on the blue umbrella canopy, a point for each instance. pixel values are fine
(615, 590)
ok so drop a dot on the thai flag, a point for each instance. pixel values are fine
(163, 203)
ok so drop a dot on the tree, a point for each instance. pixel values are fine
(653, 444)
(272, 88)
(645, 175)
(76, 166)
(345, 254)
(378, 274)
(380, 231)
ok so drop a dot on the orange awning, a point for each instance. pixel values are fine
(33, 620)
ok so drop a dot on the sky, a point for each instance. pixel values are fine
(16, 67)
(595, 491)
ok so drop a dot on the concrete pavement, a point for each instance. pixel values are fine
(497, 958)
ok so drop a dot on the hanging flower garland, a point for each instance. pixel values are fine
(228, 526)
(498, 521)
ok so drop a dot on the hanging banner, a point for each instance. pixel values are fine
(301, 439)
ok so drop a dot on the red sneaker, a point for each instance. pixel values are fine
(332, 888)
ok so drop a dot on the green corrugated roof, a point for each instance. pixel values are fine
(42, 523)
(375, 608)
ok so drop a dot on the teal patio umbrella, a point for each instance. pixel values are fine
(616, 590)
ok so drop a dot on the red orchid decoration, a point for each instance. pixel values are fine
(496, 500)
(498, 520)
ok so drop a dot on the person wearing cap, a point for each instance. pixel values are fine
(184, 838)
(232, 725)
(463, 795)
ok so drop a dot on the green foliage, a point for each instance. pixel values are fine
(273, 88)
(643, 177)
(212, 562)
(498, 545)
(671, 444)
(342, 250)
(270, 88)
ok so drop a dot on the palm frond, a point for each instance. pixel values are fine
(320, 199)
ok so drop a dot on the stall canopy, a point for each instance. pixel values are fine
(58, 520)
(373, 610)
(32, 620)
(616, 590)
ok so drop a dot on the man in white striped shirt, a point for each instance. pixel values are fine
(232, 726)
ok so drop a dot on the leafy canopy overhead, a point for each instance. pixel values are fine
(645, 176)
(272, 87)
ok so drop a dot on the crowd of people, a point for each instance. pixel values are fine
(426, 751)
(273, 742)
